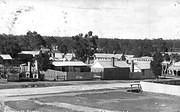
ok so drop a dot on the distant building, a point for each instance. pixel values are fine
(174, 69)
(140, 59)
(34, 53)
(71, 66)
(111, 70)
(108, 57)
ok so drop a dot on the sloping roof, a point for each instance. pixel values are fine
(69, 56)
(34, 53)
(6, 56)
(69, 63)
(109, 64)
(142, 66)
(121, 64)
(104, 55)
(102, 64)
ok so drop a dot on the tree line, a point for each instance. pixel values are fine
(84, 45)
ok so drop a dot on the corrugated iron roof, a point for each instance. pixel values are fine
(109, 64)
(121, 64)
(144, 65)
(34, 53)
(6, 56)
(69, 63)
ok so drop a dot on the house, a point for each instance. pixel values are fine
(57, 56)
(140, 59)
(165, 65)
(5, 59)
(71, 70)
(7, 69)
(71, 66)
(174, 69)
(29, 71)
(33, 53)
(111, 70)
(106, 57)
(141, 70)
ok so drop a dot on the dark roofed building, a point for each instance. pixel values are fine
(110, 70)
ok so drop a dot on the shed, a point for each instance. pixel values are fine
(5, 59)
(142, 70)
(71, 66)
(110, 70)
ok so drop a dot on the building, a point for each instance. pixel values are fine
(174, 69)
(111, 70)
(5, 59)
(33, 53)
(141, 70)
(165, 66)
(71, 66)
(70, 70)
(140, 59)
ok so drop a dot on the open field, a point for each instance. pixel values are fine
(86, 96)
(101, 101)
(11, 85)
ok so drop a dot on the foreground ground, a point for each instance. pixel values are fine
(89, 97)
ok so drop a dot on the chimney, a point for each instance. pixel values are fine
(132, 66)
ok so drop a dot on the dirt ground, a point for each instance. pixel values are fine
(100, 101)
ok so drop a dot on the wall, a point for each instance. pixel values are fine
(160, 88)
(135, 75)
(55, 75)
(80, 76)
(59, 75)
(116, 74)
(13, 76)
(146, 74)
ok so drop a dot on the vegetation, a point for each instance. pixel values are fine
(156, 64)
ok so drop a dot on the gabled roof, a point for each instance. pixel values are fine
(109, 64)
(69, 63)
(5, 56)
(102, 64)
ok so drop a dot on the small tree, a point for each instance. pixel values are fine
(156, 64)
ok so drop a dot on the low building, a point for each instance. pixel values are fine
(72, 70)
(165, 66)
(140, 59)
(111, 70)
(174, 69)
(34, 53)
(71, 66)
(5, 59)
(141, 70)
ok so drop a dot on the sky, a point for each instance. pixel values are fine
(126, 19)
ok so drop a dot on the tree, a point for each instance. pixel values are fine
(9, 45)
(156, 64)
(43, 61)
(84, 47)
(35, 40)
(167, 57)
